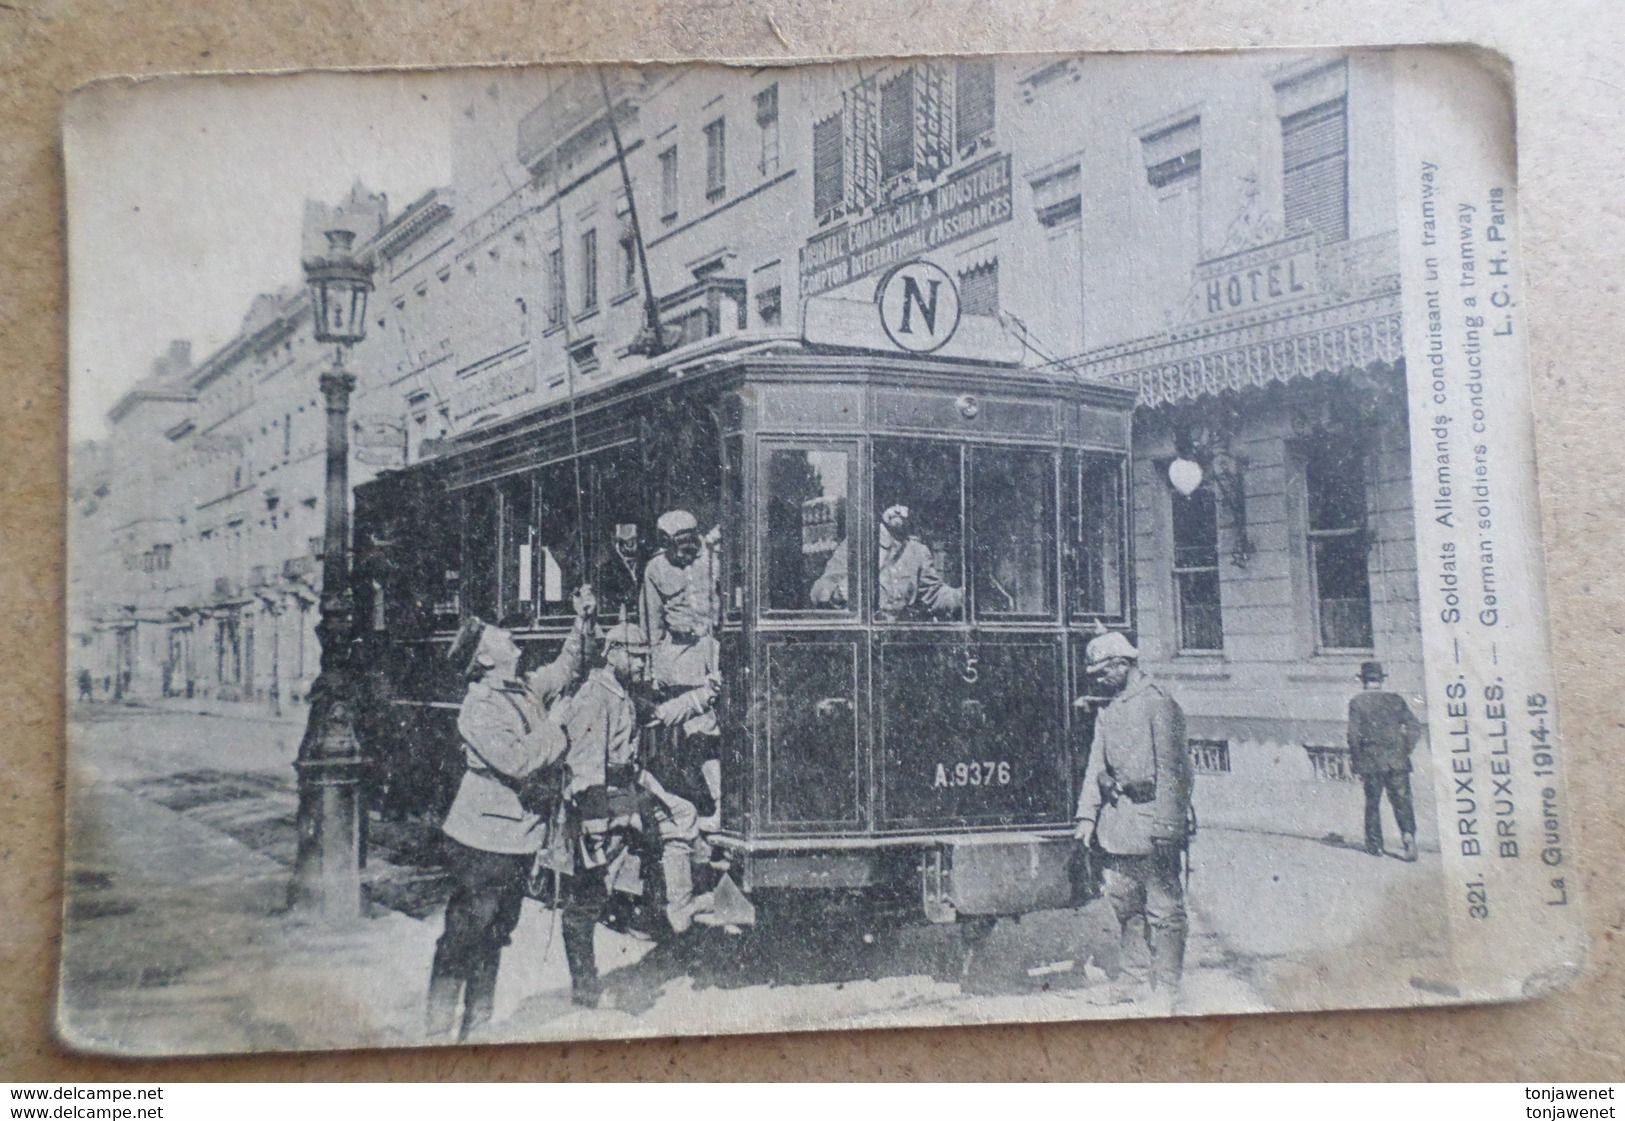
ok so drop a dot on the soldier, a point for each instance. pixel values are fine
(679, 608)
(618, 581)
(679, 603)
(1381, 733)
(491, 831)
(609, 794)
(909, 584)
(1134, 810)
(692, 763)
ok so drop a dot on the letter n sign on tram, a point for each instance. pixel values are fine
(919, 306)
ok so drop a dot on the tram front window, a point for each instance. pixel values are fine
(808, 567)
(919, 570)
(1013, 530)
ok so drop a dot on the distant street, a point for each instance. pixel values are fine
(181, 837)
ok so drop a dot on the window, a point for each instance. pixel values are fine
(808, 563)
(1314, 159)
(768, 310)
(716, 158)
(767, 124)
(979, 289)
(589, 270)
(734, 550)
(1173, 154)
(917, 515)
(897, 125)
(1199, 624)
(829, 169)
(1013, 532)
(764, 282)
(668, 184)
(1097, 546)
(555, 287)
(516, 573)
(1058, 197)
(973, 104)
(1334, 479)
(480, 552)
(592, 514)
(629, 261)
(1209, 757)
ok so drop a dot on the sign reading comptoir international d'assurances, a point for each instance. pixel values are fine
(965, 203)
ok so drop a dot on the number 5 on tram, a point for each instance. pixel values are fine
(912, 554)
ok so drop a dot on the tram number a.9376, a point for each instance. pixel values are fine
(988, 772)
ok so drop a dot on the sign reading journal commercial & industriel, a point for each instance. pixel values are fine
(967, 202)
(802, 547)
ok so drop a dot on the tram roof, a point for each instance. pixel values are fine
(780, 355)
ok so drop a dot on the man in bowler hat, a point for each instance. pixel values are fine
(1382, 732)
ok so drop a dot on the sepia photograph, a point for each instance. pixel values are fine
(576, 552)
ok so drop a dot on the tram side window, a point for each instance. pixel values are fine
(920, 567)
(480, 552)
(1095, 537)
(432, 561)
(809, 567)
(515, 571)
(558, 555)
(735, 550)
(1013, 530)
(619, 540)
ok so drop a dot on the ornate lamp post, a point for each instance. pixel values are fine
(327, 867)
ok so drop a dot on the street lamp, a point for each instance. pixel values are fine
(327, 865)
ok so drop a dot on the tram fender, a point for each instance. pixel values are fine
(1007, 876)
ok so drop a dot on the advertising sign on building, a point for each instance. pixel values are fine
(965, 203)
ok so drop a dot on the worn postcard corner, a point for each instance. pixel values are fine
(574, 552)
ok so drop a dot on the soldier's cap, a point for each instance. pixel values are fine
(626, 531)
(1106, 648)
(465, 647)
(674, 522)
(895, 517)
(1372, 671)
(629, 635)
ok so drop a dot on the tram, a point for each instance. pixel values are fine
(919, 756)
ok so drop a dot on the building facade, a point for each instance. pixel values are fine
(1217, 233)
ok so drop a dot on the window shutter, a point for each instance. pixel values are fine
(973, 102)
(933, 150)
(897, 125)
(1314, 157)
(862, 144)
(828, 181)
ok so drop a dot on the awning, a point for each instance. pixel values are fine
(1349, 321)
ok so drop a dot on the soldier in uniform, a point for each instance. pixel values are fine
(491, 833)
(680, 609)
(610, 797)
(679, 603)
(1381, 733)
(618, 581)
(909, 584)
(1134, 809)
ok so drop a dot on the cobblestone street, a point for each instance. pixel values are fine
(177, 938)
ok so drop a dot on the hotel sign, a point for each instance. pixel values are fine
(1277, 273)
(965, 203)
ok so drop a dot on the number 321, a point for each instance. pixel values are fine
(987, 773)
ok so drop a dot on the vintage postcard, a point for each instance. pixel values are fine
(586, 552)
